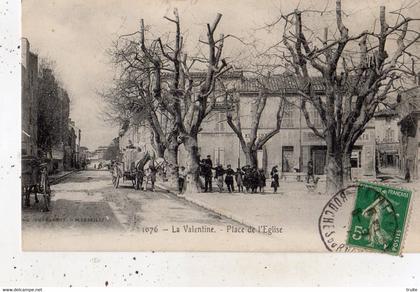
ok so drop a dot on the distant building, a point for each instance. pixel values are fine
(84, 153)
(138, 136)
(29, 100)
(99, 153)
(387, 138)
(72, 145)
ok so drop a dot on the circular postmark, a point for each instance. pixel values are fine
(334, 220)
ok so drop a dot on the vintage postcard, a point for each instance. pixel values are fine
(198, 125)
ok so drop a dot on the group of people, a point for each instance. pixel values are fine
(246, 178)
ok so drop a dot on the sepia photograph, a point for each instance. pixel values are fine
(243, 126)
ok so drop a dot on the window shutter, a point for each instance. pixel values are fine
(216, 124)
(221, 121)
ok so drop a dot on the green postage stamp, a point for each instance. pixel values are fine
(379, 218)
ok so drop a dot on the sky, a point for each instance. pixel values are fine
(76, 34)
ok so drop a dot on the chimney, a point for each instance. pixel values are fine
(24, 50)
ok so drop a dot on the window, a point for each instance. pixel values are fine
(356, 159)
(317, 119)
(364, 137)
(389, 135)
(219, 156)
(314, 116)
(287, 158)
(287, 120)
(220, 122)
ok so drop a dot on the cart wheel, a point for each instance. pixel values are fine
(45, 193)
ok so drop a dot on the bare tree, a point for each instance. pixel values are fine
(358, 74)
(191, 94)
(255, 141)
(132, 99)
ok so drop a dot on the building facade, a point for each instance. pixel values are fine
(72, 146)
(62, 148)
(29, 100)
(293, 146)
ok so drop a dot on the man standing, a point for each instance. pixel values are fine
(274, 178)
(310, 171)
(229, 178)
(208, 183)
(208, 161)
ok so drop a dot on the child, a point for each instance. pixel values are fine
(181, 179)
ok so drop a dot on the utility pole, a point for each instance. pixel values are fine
(300, 137)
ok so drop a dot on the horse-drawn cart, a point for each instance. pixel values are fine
(131, 167)
(35, 180)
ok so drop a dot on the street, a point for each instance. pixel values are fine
(87, 199)
(89, 212)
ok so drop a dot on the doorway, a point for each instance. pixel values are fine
(319, 155)
(287, 159)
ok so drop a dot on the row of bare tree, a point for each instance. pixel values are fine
(160, 86)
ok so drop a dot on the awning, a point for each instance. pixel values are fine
(389, 152)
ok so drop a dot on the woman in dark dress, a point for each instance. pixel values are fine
(261, 180)
(247, 177)
(274, 178)
(254, 179)
(239, 176)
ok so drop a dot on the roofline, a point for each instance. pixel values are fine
(289, 92)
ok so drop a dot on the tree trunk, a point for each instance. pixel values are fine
(346, 168)
(160, 150)
(158, 145)
(191, 146)
(250, 156)
(172, 163)
(334, 171)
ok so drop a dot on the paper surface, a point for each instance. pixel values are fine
(88, 214)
